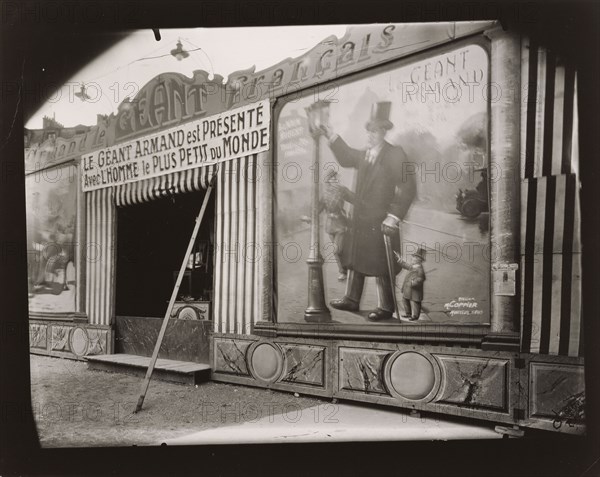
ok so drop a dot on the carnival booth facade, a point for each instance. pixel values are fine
(391, 218)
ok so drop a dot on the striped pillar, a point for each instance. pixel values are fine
(504, 168)
(236, 253)
(550, 217)
(99, 254)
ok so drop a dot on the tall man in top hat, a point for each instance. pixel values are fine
(384, 192)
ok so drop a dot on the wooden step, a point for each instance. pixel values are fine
(183, 372)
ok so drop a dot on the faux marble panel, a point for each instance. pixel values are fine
(557, 392)
(38, 337)
(474, 382)
(362, 370)
(97, 341)
(60, 338)
(230, 356)
(303, 364)
(184, 340)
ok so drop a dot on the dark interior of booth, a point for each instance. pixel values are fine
(152, 239)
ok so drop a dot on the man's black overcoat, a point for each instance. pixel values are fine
(386, 186)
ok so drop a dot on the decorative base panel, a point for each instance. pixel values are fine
(480, 384)
(69, 340)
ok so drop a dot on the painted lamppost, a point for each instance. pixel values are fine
(317, 311)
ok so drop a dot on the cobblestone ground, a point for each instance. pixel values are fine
(75, 407)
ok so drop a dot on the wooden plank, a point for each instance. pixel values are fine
(540, 113)
(530, 124)
(557, 136)
(575, 133)
(538, 266)
(167, 317)
(548, 260)
(218, 288)
(234, 246)
(575, 333)
(225, 244)
(559, 214)
(577, 221)
(540, 215)
(525, 327)
(187, 368)
(557, 285)
(241, 241)
(524, 104)
(549, 113)
(524, 196)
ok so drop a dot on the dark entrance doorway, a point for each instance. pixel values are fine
(151, 242)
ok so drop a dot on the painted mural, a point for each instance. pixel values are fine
(398, 203)
(51, 243)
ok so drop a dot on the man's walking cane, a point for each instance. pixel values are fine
(390, 261)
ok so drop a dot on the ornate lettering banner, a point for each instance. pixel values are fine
(235, 133)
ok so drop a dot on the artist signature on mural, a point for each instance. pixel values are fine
(463, 306)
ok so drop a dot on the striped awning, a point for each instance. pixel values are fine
(163, 186)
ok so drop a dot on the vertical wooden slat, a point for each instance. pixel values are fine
(538, 266)
(540, 113)
(234, 246)
(110, 257)
(97, 242)
(250, 248)
(242, 240)
(548, 250)
(102, 272)
(218, 258)
(98, 247)
(523, 215)
(79, 247)
(576, 326)
(557, 262)
(567, 264)
(557, 120)
(532, 102)
(575, 134)
(576, 345)
(526, 270)
(87, 251)
(226, 279)
(248, 270)
(524, 104)
(568, 118)
(549, 114)
(268, 263)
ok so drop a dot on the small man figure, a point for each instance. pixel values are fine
(412, 288)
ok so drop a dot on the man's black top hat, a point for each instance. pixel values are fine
(421, 253)
(380, 116)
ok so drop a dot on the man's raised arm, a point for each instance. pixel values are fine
(344, 154)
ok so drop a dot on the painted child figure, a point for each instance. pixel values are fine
(412, 288)
(336, 225)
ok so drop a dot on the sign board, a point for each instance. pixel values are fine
(504, 278)
(228, 135)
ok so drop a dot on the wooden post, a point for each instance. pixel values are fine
(163, 328)
(505, 99)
